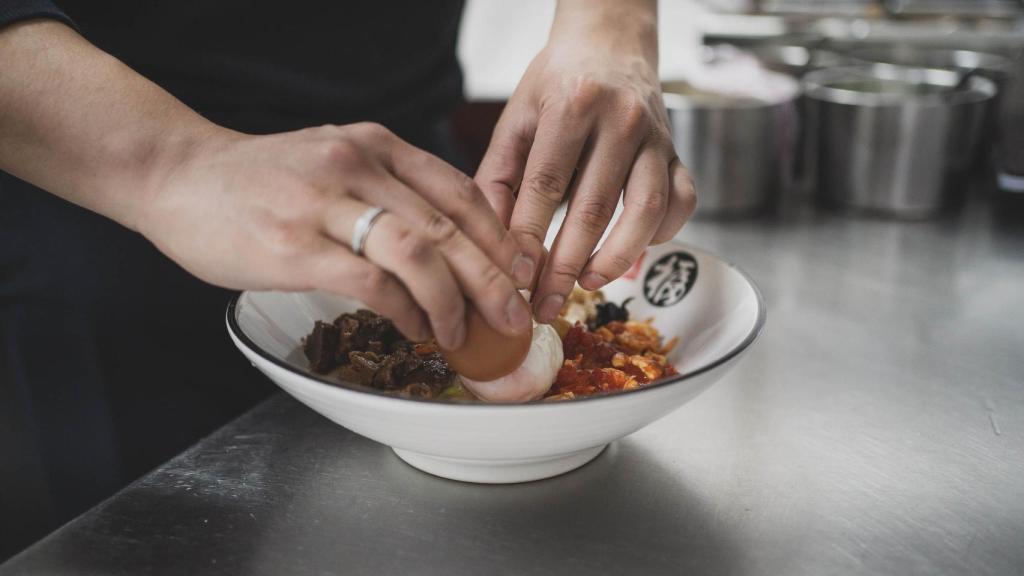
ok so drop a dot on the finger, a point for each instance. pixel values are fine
(501, 170)
(458, 198)
(393, 245)
(682, 202)
(482, 281)
(478, 276)
(396, 247)
(644, 202)
(643, 209)
(590, 209)
(560, 138)
(333, 268)
(396, 197)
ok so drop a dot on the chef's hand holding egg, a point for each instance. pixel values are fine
(503, 369)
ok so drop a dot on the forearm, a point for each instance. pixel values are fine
(77, 122)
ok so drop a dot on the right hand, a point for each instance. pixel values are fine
(277, 212)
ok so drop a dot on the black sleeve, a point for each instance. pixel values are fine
(12, 11)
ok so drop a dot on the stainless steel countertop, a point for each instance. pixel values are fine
(877, 427)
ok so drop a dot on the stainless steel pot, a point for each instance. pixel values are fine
(970, 130)
(738, 150)
(882, 139)
(997, 68)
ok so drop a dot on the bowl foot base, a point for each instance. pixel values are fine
(498, 471)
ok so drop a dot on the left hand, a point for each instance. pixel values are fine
(589, 102)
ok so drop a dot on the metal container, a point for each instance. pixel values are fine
(962, 8)
(997, 68)
(970, 131)
(881, 139)
(994, 66)
(738, 150)
(797, 60)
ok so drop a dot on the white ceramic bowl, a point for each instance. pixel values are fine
(712, 306)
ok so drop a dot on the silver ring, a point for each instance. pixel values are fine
(362, 228)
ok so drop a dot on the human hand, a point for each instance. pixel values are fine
(590, 104)
(277, 212)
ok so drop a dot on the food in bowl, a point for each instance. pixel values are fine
(592, 348)
(715, 310)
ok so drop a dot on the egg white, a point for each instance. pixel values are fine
(532, 379)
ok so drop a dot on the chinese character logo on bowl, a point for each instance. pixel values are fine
(670, 278)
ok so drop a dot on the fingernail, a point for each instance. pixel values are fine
(522, 270)
(549, 307)
(517, 314)
(593, 280)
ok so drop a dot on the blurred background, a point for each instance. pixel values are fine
(904, 109)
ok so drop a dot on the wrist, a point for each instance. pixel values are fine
(622, 26)
(150, 166)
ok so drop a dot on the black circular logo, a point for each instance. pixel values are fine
(670, 278)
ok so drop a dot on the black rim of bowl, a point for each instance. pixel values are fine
(749, 339)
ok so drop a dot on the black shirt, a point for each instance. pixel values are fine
(270, 66)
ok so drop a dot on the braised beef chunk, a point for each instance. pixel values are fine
(365, 330)
(367, 349)
(348, 326)
(432, 371)
(394, 367)
(321, 347)
(361, 368)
